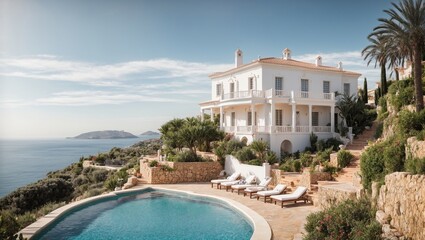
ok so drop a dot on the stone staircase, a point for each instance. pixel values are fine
(349, 173)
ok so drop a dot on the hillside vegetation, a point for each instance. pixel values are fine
(24, 205)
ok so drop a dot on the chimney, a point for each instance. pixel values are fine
(318, 61)
(238, 58)
(286, 53)
(339, 66)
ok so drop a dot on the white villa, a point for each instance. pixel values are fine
(279, 100)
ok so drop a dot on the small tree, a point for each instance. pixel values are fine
(365, 96)
(260, 148)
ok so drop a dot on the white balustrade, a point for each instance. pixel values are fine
(301, 129)
(282, 129)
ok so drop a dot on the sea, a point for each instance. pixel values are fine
(26, 161)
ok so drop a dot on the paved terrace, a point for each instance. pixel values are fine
(286, 223)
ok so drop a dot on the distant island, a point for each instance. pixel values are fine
(108, 134)
(150, 133)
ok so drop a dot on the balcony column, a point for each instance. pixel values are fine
(310, 118)
(252, 118)
(294, 116)
(211, 115)
(221, 118)
(202, 115)
(273, 113)
(332, 119)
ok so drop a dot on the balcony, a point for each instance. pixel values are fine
(243, 94)
(314, 95)
(275, 129)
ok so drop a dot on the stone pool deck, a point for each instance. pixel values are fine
(286, 223)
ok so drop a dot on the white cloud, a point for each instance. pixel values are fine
(52, 68)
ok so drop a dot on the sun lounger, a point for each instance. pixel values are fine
(231, 178)
(263, 186)
(298, 195)
(266, 194)
(248, 181)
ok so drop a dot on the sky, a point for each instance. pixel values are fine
(68, 67)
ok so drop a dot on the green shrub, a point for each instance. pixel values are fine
(344, 158)
(271, 158)
(320, 145)
(334, 143)
(154, 163)
(327, 167)
(402, 93)
(245, 154)
(381, 159)
(324, 156)
(416, 165)
(306, 159)
(379, 130)
(233, 146)
(8, 225)
(410, 123)
(37, 194)
(255, 162)
(111, 183)
(351, 219)
(313, 142)
(297, 166)
(188, 156)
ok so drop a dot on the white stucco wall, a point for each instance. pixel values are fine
(232, 165)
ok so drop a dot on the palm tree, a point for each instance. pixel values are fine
(377, 51)
(260, 148)
(406, 26)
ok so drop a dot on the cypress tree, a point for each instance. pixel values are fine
(365, 96)
(383, 80)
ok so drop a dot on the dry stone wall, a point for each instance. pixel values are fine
(309, 178)
(180, 172)
(332, 194)
(415, 148)
(401, 205)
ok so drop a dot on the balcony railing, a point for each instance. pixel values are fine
(243, 94)
(282, 129)
(302, 129)
(315, 95)
(321, 129)
(275, 129)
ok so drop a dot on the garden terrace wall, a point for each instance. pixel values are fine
(401, 204)
(309, 178)
(182, 172)
(334, 193)
(415, 148)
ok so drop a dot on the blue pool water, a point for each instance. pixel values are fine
(152, 215)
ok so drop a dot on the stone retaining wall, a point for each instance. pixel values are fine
(181, 172)
(309, 178)
(415, 148)
(331, 194)
(401, 205)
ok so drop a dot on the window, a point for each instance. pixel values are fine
(315, 118)
(249, 118)
(255, 118)
(347, 89)
(326, 87)
(232, 90)
(278, 117)
(250, 83)
(218, 89)
(278, 83)
(304, 88)
(233, 119)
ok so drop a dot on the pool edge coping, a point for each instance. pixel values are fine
(261, 229)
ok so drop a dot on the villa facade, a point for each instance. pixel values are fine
(279, 100)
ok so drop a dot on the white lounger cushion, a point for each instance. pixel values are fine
(253, 188)
(229, 183)
(233, 177)
(277, 190)
(291, 196)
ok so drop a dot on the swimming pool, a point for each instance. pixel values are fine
(151, 214)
